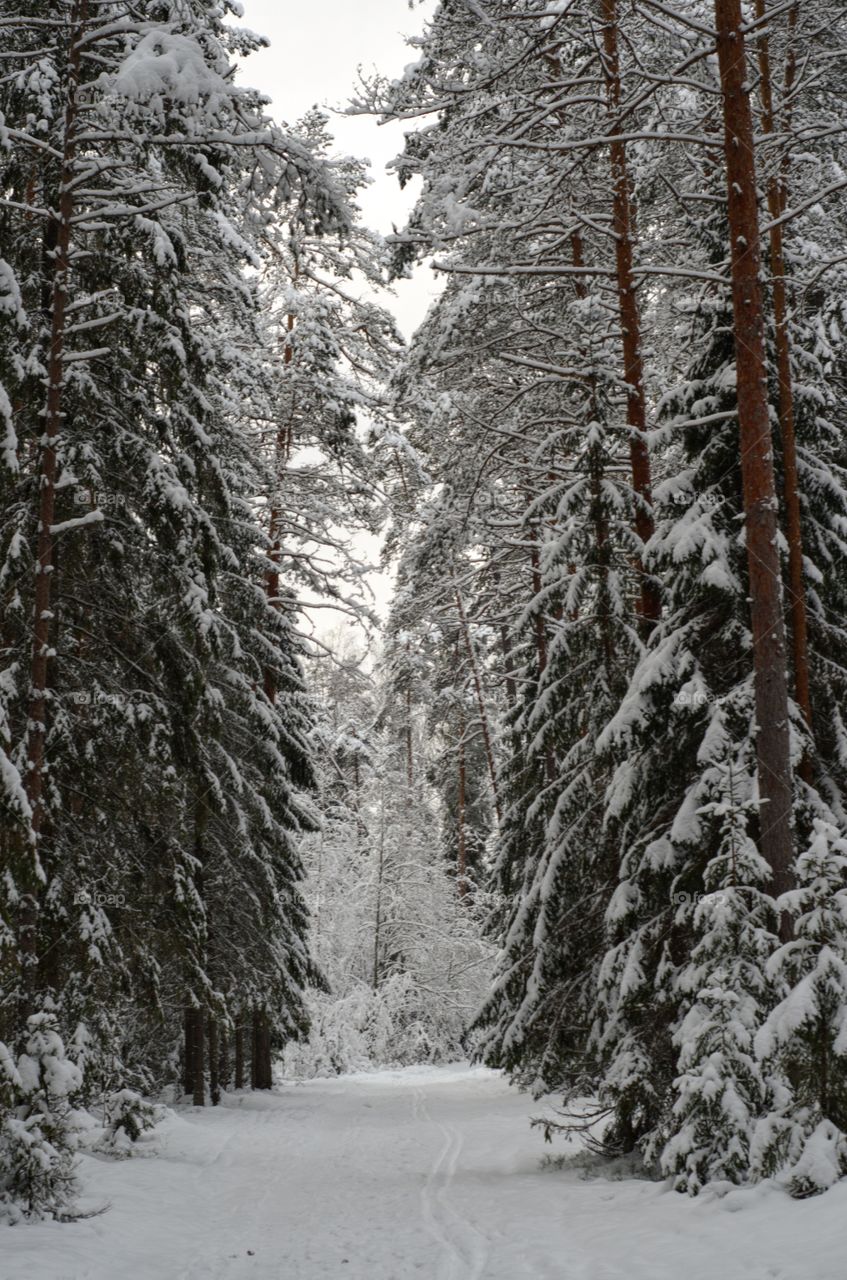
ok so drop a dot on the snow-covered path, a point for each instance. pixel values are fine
(429, 1173)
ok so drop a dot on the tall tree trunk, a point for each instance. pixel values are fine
(57, 267)
(262, 1066)
(480, 702)
(223, 1061)
(623, 216)
(777, 191)
(239, 1058)
(188, 1051)
(198, 1058)
(214, 1062)
(760, 500)
(266, 1059)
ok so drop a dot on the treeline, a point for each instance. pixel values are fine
(626, 478)
(182, 361)
(393, 927)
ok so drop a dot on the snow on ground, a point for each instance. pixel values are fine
(430, 1173)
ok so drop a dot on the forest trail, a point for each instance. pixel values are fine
(429, 1173)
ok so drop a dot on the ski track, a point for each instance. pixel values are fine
(422, 1174)
(465, 1247)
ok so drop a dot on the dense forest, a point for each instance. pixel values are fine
(575, 807)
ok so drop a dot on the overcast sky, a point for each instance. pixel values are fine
(316, 50)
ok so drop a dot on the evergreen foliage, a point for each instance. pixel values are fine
(575, 196)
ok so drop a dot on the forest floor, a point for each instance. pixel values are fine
(430, 1173)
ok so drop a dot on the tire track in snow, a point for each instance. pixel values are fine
(465, 1249)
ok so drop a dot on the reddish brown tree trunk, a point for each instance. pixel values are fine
(623, 217)
(760, 500)
(777, 202)
(58, 267)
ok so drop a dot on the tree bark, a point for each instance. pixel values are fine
(262, 1067)
(214, 1061)
(223, 1061)
(760, 500)
(266, 1077)
(188, 1052)
(777, 192)
(623, 219)
(58, 266)
(239, 1057)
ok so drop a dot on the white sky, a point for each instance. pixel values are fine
(316, 50)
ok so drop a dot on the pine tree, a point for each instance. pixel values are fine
(804, 1038)
(130, 537)
(721, 1089)
(40, 1129)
